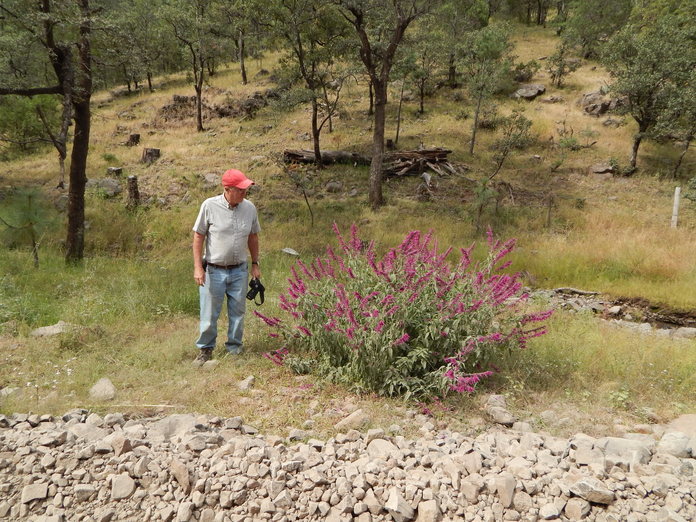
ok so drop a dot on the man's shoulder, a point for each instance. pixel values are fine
(248, 205)
(215, 200)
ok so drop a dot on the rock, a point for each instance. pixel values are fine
(549, 511)
(334, 186)
(122, 486)
(398, 508)
(114, 172)
(34, 492)
(429, 511)
(505, 487)
(577, 508)
(529, 91)
(180, 472)
(684, 424)
(684, 332)
(88, 432)
(60, 327)
(83, 492)
(592, 490)
(185, 512)
(501, 416)
(107, 187)
(290, 252)
(675, 443)
(171, 426)
(353, 421)
(602, 168)
(381, 449)
(615, 310)
(247, 384)
(103, 390)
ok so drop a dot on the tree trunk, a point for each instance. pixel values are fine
(681, 157)
(398, 115)
(422, 97)
(75, 242)
(634, 150)
(371, 109)
(475, 126)
(242, 67)
(316, 131)
(149, 81)
(376, 197)
(452, 72)
(199, 106)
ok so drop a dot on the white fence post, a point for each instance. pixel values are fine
(675, 207)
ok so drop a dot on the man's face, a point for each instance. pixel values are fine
(234, 195)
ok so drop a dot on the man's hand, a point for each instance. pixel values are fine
(255, 272)
(199, 276)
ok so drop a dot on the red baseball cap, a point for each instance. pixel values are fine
(236, 178)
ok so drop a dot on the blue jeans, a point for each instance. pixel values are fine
(220, 282)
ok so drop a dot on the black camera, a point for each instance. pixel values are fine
(256, 288)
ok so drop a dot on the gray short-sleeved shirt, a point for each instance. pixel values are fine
(226, 229)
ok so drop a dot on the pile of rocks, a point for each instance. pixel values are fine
(186, 467)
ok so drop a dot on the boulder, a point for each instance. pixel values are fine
(529, 91)
(103, 390)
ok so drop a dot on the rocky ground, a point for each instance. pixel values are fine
(186, 467)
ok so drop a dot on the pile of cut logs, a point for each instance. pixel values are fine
(397, 163)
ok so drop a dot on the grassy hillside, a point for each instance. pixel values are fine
(137, 301)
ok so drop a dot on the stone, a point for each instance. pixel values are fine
(429, 511)
(602, 168)
(247, 384)
(501, 416)
(685, 424)
(381, 449)
(103, 390)
(505, 487)
(180, 472)
(684, 332)
(398, 508)
(529, 91)
(83, 492)
(675, 443)
(592, 490)
(122, 486)
(34, 492)
(107, 187)
(549, 511)
(577, 508)
(353, 421)
(88, 432)
(185, 512)
(291, 252)
(60, 327)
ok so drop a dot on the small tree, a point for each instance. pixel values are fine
(590, 23)
(379, 28)
(28, 218)
(559, 65)
(650, 64)
(313, 31)
(486, 60)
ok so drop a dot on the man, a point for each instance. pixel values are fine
(227, 225)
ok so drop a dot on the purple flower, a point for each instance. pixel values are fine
(401, 340)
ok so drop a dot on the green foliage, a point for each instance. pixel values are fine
(690, 192)
(559, 65)
(525, 71)
(21, 129)
(591, 22)
(653, 67)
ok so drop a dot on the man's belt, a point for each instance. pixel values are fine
(225, 267)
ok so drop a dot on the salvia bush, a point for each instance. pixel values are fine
(407, 324)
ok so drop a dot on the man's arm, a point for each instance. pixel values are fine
(253, 243)
(198, 272)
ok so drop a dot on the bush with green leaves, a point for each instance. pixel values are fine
(408, 324)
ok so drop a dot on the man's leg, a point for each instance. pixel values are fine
(211, 295)
(236, 306)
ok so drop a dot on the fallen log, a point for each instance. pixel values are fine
(397, 163)
(328, 157)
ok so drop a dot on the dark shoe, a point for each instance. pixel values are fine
(204, 355)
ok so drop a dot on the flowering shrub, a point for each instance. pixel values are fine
(406, 324)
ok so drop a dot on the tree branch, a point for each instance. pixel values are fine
(56, 89)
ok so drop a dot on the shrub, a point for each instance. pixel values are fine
(409, 324)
